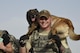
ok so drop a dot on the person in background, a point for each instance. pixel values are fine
(5, 44)
(14, 42)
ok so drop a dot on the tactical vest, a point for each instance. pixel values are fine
(41, 44)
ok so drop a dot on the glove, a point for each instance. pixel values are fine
(56, 38)
(23, 39)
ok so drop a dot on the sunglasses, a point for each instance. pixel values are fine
(43, 18)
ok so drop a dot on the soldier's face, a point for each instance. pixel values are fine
(45, 22)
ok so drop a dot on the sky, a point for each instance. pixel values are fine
(13, 15)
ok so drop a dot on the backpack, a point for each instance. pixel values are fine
(13, 40)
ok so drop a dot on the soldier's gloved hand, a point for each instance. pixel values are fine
(23, 39)
(56, 38)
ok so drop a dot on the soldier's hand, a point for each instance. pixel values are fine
(56, 38)
(23, 39)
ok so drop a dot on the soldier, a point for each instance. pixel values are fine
(41, 40)
(5, 44)
(14, 42)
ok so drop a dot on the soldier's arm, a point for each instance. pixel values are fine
(22, 50)
(25, 44)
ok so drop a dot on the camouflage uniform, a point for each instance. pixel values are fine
(5, 39)
(40, 43)
(10, 38)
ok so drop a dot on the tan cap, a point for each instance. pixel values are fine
(45, 13)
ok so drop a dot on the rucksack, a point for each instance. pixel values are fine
(13, 40)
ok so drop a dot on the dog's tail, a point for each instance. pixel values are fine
(73, 35)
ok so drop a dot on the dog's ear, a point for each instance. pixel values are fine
(28, 13)
(36, 10)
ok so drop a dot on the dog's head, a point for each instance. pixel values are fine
(32, 13)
